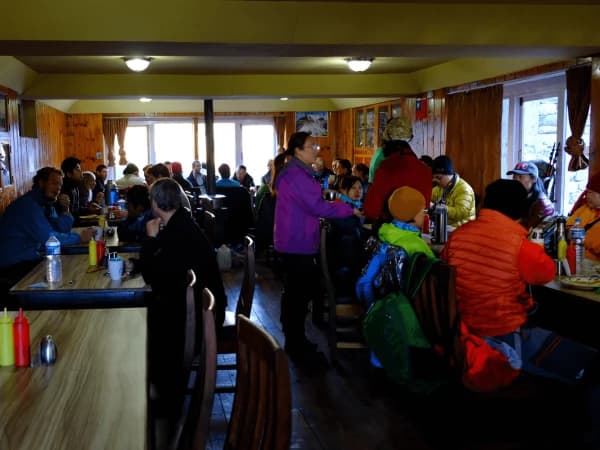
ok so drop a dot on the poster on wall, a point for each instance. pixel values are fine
(421, 109)
(314, 123)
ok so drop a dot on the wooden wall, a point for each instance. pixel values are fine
(29, 154)
(85, 139)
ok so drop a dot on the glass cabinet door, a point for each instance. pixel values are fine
(382, 118)
(396, 110)
(370, 128)
(359, 128)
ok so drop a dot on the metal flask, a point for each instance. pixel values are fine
(48, 351)
(440, 224)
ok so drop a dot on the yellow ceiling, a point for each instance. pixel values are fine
(249, 51)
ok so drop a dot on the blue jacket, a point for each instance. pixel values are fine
(27, 224)
(298, 209)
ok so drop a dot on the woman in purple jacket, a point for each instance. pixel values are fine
(296, 235)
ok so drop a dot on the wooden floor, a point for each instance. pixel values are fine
(354, 407)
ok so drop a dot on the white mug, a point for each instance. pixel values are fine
(115, 268)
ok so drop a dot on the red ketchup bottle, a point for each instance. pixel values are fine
(100, 251)
(426, 220)
(21, 340)
(571, 257)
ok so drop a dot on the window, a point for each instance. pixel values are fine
(244, 140)
(534, 124)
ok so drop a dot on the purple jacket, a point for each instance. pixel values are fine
(298, 209)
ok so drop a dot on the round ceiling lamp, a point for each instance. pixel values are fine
(359, 64)
(137, 64)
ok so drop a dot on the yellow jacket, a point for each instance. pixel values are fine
(592, 236)
(460, 202)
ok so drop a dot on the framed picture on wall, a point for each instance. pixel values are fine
(3, 112)
(315, 123)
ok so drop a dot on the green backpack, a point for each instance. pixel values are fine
(391, 328)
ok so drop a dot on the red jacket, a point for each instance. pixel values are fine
(397, 170)
(494, 261)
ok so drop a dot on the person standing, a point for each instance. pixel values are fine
(296, 235)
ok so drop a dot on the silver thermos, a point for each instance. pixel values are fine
(440, 224)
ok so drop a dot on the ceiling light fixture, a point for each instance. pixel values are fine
(359, 64)
(284, 99)
(145, 100)
(137, 64)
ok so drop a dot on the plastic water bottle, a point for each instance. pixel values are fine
(113, 193)
(578, 238)
(53, 261)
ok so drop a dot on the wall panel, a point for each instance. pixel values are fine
(84, 139)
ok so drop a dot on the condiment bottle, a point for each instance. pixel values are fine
(7, 349)
(100, 252)
(572, 257)
(92, 255)
(21, 340)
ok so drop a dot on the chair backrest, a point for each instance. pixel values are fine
(261, 415)
(193, 424)
(189, 345)
(240, 216)
(244, 304)
(436, 308)
(209, 224)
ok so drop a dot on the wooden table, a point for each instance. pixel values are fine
(93, 397)
(79, 289)
(111, 242)
(570, 312)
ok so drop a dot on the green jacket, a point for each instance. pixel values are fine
(375, 161)
(460, 202)
(408, 240)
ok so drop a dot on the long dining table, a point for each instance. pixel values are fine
(111, 242)
(82, 287)
(95, 394)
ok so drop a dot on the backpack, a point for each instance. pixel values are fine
(392, 330)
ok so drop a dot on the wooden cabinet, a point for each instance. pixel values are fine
(370, 122)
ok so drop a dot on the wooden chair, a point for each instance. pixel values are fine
(192, 427)
(227, 340)
(345, 319)
(261, 414)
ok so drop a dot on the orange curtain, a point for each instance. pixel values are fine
(280, 132)
(120, 130)
(109, 131)
(473, 135)
(579, 80)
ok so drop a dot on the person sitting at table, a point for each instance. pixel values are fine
(455, 192)
(101, 175)
(71, 168)
(539, 205)
(361, 171)
(242, 176)
(587, 209)
(178, 176)
(30, 220)
(131, 177)
(494, 263)
(139, 213)
(158, 171)
(88, 203)
(196, 178)
(175, 244)
(225, 181)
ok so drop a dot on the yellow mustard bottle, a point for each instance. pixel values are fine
(7, 349)
(92, 255)
(561, 249)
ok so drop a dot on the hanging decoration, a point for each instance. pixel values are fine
(421, 109)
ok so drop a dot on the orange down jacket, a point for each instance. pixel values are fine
(494, 261)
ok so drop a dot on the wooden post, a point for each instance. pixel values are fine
(209, 119)
(595, 118)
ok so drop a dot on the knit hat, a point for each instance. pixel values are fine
(130, 168)
(508, 197)
(442, 165)
(594, 183)
(398, 128)
(525, 168)
(405, 203)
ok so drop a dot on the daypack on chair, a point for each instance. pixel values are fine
(391, 328)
